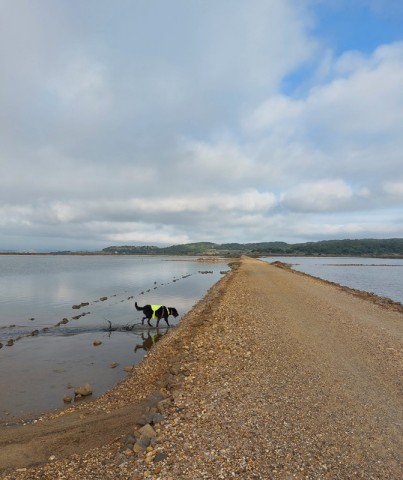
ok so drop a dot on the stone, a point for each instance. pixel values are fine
(67, 399)
(175, 368)
(163, 405)
(138, 447)
(160, 457)
(128, 368)
(148, 431)
(143, 441)
(83, 391)
(143, 420)
(157, 418)
(10, 343)
(167, 380)
(156, 397)
(96, 343)
(114, 364)
(130, 439)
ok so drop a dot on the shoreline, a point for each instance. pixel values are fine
(129, 400)
(384, 302)
(203, 255)
(159, 378)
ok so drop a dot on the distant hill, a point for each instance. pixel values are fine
(392, 247)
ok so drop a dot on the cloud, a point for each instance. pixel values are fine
(135, 209)
(122, 123)
(327, 195)
(395, 189)
(362, 98)
(349, 126)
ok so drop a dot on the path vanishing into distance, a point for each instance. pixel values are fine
(273, 375)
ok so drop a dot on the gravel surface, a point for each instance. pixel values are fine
(272, 375)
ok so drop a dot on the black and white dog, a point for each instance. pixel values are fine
(156, 311)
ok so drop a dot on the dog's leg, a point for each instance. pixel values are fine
(159, 313)
(148, 321)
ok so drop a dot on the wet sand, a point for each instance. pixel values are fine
(273, 374)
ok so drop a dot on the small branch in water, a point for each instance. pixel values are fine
(110, 329)
(124, 328)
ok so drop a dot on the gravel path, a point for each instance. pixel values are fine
(274, 375)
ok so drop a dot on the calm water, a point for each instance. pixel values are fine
(384, 277)
(49, 358)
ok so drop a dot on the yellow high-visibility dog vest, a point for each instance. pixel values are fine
(154, 309)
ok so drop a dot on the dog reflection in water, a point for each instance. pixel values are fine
(148, 341)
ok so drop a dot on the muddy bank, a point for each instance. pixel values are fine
(272, 375)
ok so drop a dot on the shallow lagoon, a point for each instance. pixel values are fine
(382, 276)
(48, 357)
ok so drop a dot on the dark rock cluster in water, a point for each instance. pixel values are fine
(82, 304)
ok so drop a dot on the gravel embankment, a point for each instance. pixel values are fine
(273, 375)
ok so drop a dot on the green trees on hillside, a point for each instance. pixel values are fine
(363, 247)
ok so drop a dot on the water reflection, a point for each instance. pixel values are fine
(149, 340)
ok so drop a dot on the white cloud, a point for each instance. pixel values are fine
(394, 189)
(351, 126)
(326, 195)
(153, 123)
(365, 98)
(81, 85)
(277, 113)
(133, 209)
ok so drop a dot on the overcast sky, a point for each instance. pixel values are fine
(132, 122)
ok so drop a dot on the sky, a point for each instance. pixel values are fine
(147, 122)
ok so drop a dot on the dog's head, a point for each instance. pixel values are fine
(173, 311)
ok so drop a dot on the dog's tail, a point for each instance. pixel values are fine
(137, 307)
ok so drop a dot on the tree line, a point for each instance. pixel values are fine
(360, 247)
